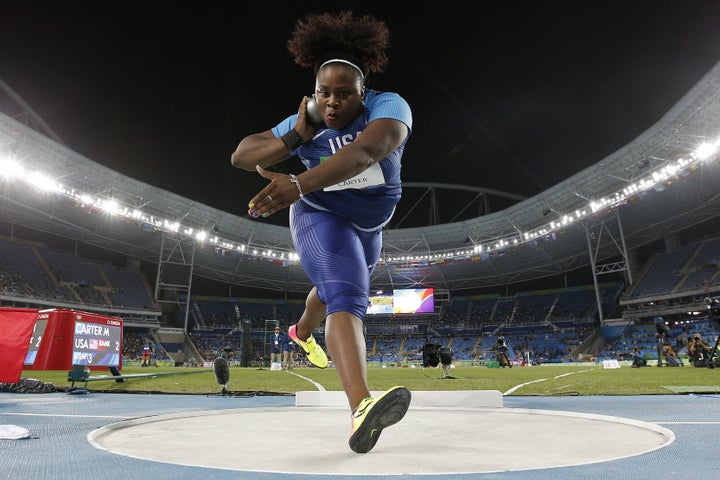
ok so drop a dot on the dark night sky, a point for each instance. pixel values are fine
(513, 96)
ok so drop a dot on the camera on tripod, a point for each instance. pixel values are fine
(713, 305)
(435, 354)
(501, 350)
(445, 356)
(712, 302)
(660, 327)
(431, 357)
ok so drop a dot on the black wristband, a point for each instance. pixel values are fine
(292, 140)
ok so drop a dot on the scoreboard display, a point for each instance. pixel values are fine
(63, 338)
(36, 339)
(380, 303)
(97, 344)
(414, 300)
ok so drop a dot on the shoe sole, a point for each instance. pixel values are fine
(387, 410)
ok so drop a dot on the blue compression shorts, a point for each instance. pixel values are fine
(336, 257)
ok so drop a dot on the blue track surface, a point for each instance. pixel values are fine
(59, 424)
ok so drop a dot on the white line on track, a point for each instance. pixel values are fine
(516, 387)
(58, 415)
(317, 385)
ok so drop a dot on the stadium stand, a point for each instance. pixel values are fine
(692, 267)
(540, 326)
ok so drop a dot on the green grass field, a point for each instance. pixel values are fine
(548, 380)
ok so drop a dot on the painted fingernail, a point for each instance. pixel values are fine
(253, 213)
(265, 214)
(252, 205)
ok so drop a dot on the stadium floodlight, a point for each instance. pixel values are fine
(707, 150)
(10, 168)
(110, 206)
(671, 171)
(42, 182)
(172, 226)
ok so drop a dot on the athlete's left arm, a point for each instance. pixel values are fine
(380, 138)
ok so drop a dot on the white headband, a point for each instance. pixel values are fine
(347, 62)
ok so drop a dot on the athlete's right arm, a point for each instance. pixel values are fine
(266, 149)
(262, 149)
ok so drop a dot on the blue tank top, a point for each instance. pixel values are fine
(368, 207)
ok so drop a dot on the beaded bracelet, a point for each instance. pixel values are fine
(295, 180)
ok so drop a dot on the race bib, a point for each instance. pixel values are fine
(369, 178)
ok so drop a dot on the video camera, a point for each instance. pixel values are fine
(435, 354)
(712, 302)
(430, 353)
(445, 356)
(501, 345)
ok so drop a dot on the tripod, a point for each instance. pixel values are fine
(714, 352)
(660, 353)
(446, 360)
(662, 332)
(502, 357)
(445, 373)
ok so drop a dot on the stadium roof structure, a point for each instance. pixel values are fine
(655, 186)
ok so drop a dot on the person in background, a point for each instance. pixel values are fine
(698, 351)
(351, 140)
(277, 342)
(288, 353)
(637, 359)
(671, 358)
(147, 352)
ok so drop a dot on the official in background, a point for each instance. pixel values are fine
(277, 342)
(147, 352)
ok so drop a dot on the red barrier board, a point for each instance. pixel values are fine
(16, 325)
